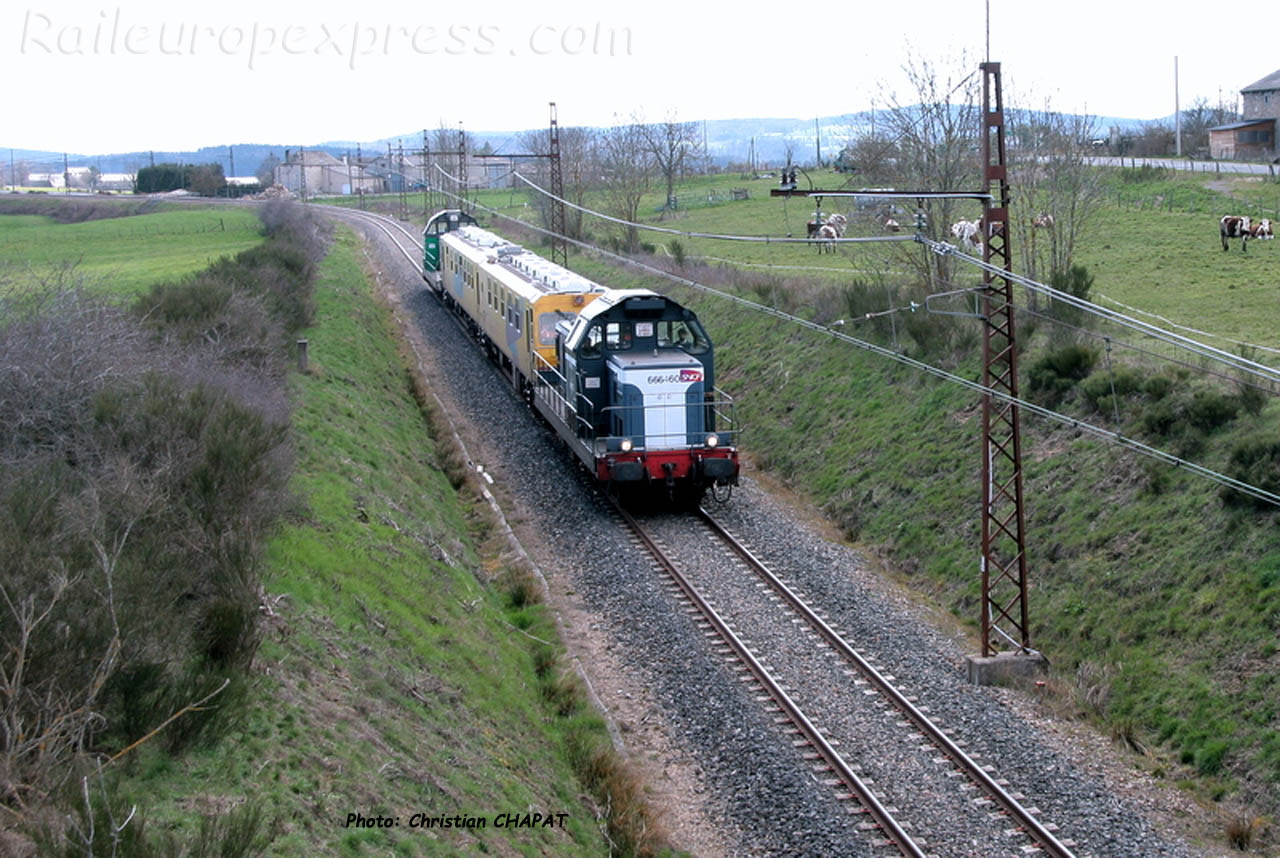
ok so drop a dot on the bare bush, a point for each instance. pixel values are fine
(136, 483)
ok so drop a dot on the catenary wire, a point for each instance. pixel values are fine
(1116, 438)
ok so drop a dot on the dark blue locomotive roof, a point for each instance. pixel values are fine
(626, 304)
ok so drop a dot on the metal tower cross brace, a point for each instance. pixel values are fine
(559, 247)
(1004, 554)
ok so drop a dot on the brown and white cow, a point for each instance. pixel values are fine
(969, 232)
(1044, 221)
(1236, 226)
(1261, 230)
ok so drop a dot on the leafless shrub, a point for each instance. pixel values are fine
(135, 486)
(1243, 829)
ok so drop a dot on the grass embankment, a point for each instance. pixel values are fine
(1157, 603)
(394, 679)
(126, 253)
(403, 669)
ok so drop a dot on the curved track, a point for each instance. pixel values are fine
(995, 818)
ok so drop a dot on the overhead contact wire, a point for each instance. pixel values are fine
(1097, 431)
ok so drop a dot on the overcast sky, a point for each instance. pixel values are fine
(96, 78)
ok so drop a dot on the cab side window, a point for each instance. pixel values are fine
(592, 342)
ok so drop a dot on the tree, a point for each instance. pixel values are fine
(935, 148)
(1196, 122)
(207, 180)
(160, 179)
(266, 172)
(578, 159)
(670, 145)
(626, 166)
(1155, 139)
(1051, 176)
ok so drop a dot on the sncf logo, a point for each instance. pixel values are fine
(685, 376)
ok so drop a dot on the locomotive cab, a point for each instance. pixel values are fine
(638, 380)
(440, 223)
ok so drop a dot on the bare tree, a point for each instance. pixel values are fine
(444, 151)
(671, 145)
(1196, 122)
(626, 167)
(936, 139)
(1055, 191)
(577, 160)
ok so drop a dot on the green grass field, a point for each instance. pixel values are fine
(125, 255)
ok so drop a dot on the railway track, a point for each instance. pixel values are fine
(998, 804)
(998, 817)
(407, 242)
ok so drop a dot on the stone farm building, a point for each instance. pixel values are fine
(1253, 137)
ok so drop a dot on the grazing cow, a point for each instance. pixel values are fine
(1235, 226)
(1044, 221)
(827, 235)
(811, 228)
(1261, 230)
(969, 233)
(891, 225)
(829, 231)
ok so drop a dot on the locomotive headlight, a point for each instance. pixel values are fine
(713, 439)
(626, 445)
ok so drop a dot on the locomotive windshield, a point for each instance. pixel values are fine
(687, 335)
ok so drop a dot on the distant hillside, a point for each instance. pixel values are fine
(728, 140)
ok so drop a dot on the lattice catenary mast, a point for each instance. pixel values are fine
(1004, 547)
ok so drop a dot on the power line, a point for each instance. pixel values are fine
(1099, 432)
(1210, 352)
(763, 239)
(942, 248)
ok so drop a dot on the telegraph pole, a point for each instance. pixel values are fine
(401, 189)
(1003, 559)
(1177, 109)
(426, 178)
(360, 175)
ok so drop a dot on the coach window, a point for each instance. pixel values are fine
(547, 327)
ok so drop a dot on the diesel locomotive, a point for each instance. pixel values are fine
(626, 378)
